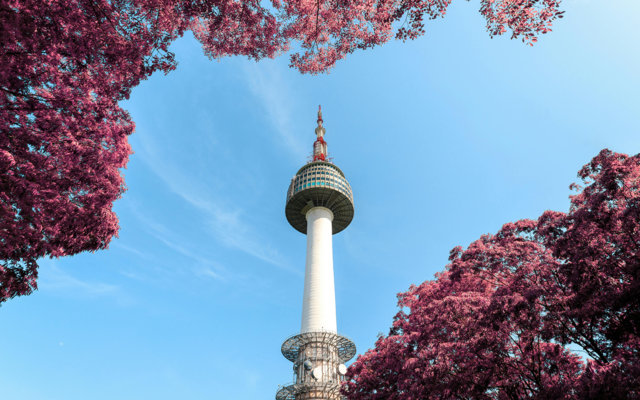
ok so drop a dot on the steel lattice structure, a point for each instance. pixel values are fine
(315, 390)
(296, 343)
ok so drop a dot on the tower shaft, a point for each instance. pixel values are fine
(319, 301)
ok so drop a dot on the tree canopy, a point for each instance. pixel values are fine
(65, 65)
(497, 323)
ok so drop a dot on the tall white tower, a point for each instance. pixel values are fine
(319, 204)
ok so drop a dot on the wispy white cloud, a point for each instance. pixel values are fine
(116, 244)
(222, 220)
(204, 265)
(207, 271)
(267, 83)
(56, 281)
(133, 275)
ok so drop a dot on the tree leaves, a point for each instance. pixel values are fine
(499, 319)
(65, 65)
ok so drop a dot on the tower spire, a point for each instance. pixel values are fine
(320, 146)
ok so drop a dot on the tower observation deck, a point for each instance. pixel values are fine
(319, 204)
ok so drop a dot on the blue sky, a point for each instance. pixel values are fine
(442, 139)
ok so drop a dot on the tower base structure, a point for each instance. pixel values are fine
(317, 357)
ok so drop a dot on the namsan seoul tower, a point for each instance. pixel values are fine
(319, 204)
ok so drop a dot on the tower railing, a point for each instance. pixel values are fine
(344, 344)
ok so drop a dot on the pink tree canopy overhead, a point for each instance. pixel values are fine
(65, 65)
(329, 30)
(496, 324)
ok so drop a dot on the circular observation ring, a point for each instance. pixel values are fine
(345, 346)
(319, 184)
(340, 205)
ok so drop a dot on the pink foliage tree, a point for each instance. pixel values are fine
(496, 324)
(330, 30)
(65, 65)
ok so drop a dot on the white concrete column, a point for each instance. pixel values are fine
(319, 302)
